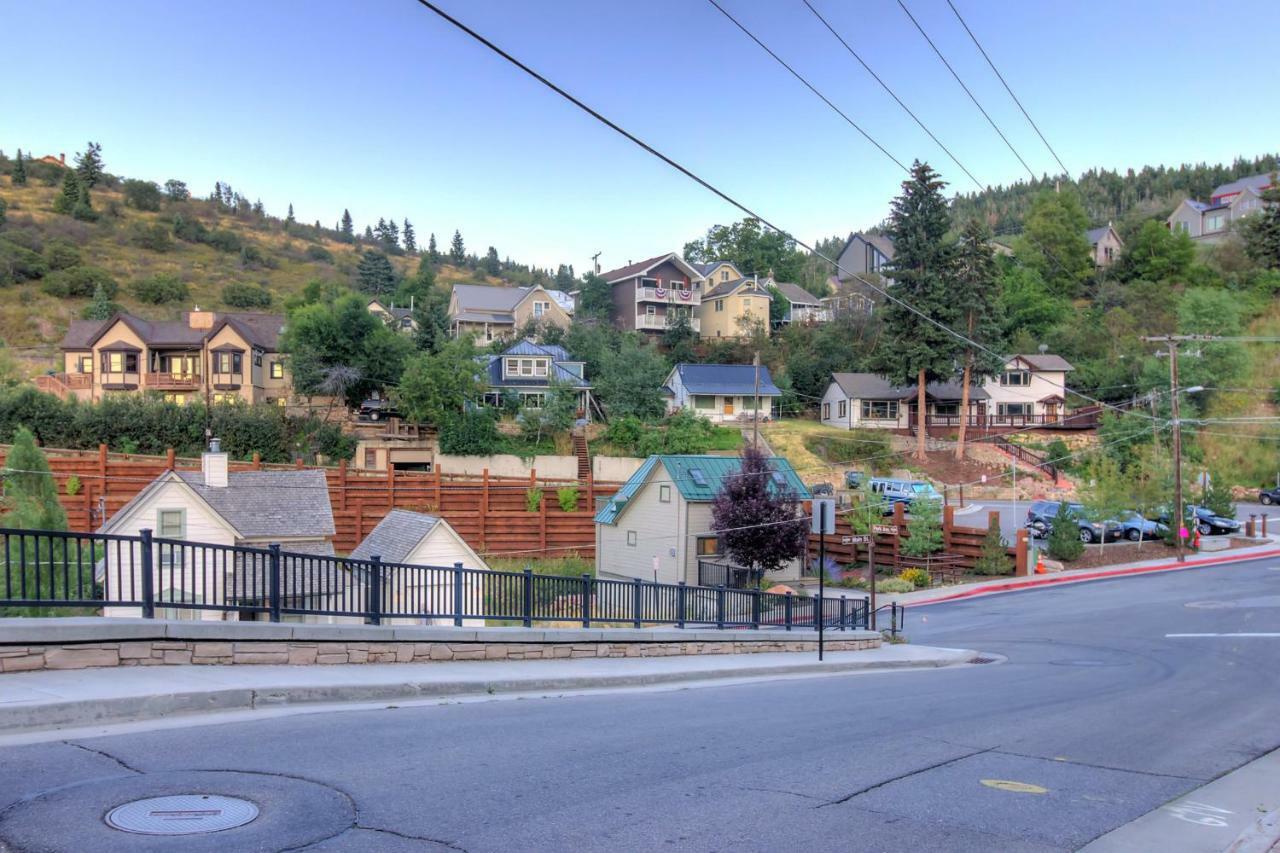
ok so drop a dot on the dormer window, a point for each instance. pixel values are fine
(1016, 378)
(724, 275)
(527, 367)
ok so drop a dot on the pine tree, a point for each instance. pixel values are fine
(491, 263)
(65, 201)
(913, 349)
(347, 228)
(259, 209)
(393, 235)
(976, 290)
(994, 558)
(1064, 536)
(374, 274)
(101, 307)
(1262, 229)
(410, 243)
(433, 254)
(31, 503)
(289, 221)
(19, 175)
(457, 251)
(368, 234)
(89, 165)
(216, 198)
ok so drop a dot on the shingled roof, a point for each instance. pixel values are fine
(395, 537)
(266, 504)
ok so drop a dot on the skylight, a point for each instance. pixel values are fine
(697, 476)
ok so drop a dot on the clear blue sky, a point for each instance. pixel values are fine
(380, 107)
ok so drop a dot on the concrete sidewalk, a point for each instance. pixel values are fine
(62, 699)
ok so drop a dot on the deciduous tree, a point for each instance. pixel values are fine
(760, 522)
(437, 386)
(1054, 243)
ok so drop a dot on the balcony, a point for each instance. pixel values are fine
(670, 296)
(166, 381)
(659, 322)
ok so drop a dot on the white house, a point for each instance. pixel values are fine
(421, 552)
(866, 401)
(658, 525)
(214, 507)
(721, 392)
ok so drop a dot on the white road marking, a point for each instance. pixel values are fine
(1242, 634)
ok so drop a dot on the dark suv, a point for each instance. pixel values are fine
(1267, 497)
(1042, 513)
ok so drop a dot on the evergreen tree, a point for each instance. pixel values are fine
(347, 228)
(101, 307)
(924, 529)
(289, 221)
(216, 198)
(1262, 230)
(258, 208)
(1064, 536)
(393, 235)
(4, 206)
(491, 263)
(374, 274)
(89, 165)
(457, 251)
(410, 242)
(994, 558)
(19, 174)
(1054, 242)
(433, 254)
(368, 234)
(65, 201)
(977, 292)
(912, 349)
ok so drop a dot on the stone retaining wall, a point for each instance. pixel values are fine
(159, 643)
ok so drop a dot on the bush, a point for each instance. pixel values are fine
(1064, 537)
(73, 485)
(533, 500)
(225, 241)
(894, 585)
(624, 432)
(159, 289)
(1058, 450)
(154, 237)
(18, 263)
(80, 282)
(61, 254)
(994, 559)
(241, 295)
(319, 253)
(190, 230)
(142, 195)
(568, 498)
(918, 578)
(924, 529)
(470, 434)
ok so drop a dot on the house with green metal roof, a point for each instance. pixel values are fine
(658, 525)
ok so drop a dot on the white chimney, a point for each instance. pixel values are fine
(213, 464)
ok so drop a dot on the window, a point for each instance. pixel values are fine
(826, 411)
(119, 362)
(219, 399)
(651, 310)
(697, 476)
(171, 524)
(282, 402)
(179, 399)
(1016, 378)
(650, 282)
(704, 401)
(257, 359)
(86, 364)
(370, 458)
(946, 410)
(179, 596)
(1215, 222)
(540, 308)
(227, 362)
(532, 399)
(277, 370)
(842, 408)
(631, 538)
(664, 494)
(1014, 410)
(1183, 226)
(724, 275)
(880, 410)
(719, 304)
(708, 546)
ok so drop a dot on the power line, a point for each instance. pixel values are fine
(990, 120)
(892, 94)
(810, 86)
(1066, 172)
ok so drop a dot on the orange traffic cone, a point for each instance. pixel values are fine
(1040, 569)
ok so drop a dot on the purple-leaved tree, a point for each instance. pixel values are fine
(758, 519)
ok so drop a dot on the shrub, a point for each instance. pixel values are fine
(142, 195)
(190, 229)
(924, 529)
(18, 263)
(159, 289)
(73, 485)
(568, 498)
(80, 282)
(994, 559)
(624, 432)
(1064, 537)
(894, 585)
(61, 254)
(1058, 450)
(242, 295)
(533, 500)
(225, 241)
(319, 253)
(918, 578)
(470, 434)
(153, 237)
(4, 207)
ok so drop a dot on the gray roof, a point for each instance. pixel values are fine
(259, 330)
(725, 288)
(1093, 235)
(305, 575)
(795, 294)
(266, 504)
(881, 242)
(1257, 183)
(1045, 361)
(869, 386)
(480, 297)
(395, 537)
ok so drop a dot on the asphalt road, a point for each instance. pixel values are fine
(1096, 715)
(1012, 516)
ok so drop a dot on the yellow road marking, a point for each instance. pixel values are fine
(1014, 787)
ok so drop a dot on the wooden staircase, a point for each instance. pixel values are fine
(584, 456)
(1039, 461)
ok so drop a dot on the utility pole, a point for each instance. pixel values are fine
(755, 418)
(1180, 518)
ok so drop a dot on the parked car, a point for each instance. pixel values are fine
(821, 489)
(376, 409)
(1266, 497)
(1042, 513)
(903, 492)
(1135, 528)
(1205, 520)
(853, 479)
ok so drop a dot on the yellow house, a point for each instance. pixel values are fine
(731, 309)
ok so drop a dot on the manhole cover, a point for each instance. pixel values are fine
(982, 659)
(182, 814)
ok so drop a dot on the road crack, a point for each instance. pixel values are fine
(104, 754)
(409, 837)
(902, 776)
(777, 791)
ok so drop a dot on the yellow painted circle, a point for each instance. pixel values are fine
(1014, 787)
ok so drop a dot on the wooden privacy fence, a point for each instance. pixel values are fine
(490, 513)
(961, 546)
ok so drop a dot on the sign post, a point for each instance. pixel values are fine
(824, 522)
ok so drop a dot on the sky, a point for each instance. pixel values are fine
(381, 107)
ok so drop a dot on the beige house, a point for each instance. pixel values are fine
(210, 356)
(398, 318)
(490, 313)
(214, 507)
(1211, 221)
(658, 525)
(1105, 244)
(419, 553)
(732, 308)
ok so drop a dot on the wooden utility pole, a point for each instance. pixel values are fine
(1180, 518)
(755, 417)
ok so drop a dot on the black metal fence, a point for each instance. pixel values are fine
(52, 572)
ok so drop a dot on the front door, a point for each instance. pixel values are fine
(728, 405)
(1051, 411)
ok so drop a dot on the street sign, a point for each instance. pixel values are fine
(885, 529)
(855, 540)
(824, 516)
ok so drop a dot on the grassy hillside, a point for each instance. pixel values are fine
(1249, 453)
(32, 321)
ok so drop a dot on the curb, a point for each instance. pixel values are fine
(60, 715)
(1101, 574)
(1259, 838)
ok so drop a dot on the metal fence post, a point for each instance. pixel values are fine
(844, 613)
(720, 606)
(755, 608)
(148, 582)
(869, 613)
(273, 581)
(457, 594)
(786, 609)
(637, 601)
(586, 600)
(375, 591)
(681, 605)
(528, 598)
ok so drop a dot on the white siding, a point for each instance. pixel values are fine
(442, 547)
(649, 518)
(833, 397)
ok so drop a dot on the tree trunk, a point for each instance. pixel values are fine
(920, 418)
(964, 405)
